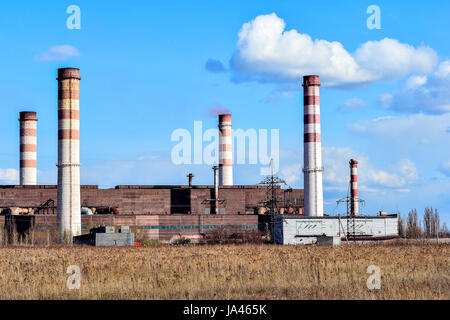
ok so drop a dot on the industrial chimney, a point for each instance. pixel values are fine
(354, 187)
(190, 176)
(312, 147)
(28, 148)
(225, 151)
(216, 190)
(69, 208)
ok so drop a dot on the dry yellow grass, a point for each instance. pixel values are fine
(226, 272)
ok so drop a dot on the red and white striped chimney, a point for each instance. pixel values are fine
(312, 147)
(28, 148)
(225, 151)
(354, 188)
(69, 208)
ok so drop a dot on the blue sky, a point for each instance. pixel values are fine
(385, 96)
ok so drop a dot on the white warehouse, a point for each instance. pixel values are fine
(309, 230)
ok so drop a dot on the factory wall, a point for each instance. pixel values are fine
(162, 228)
(147, 199)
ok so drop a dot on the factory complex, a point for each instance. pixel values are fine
(194, 212)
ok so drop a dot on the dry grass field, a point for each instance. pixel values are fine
(226, 272)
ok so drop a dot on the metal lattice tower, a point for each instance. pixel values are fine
(272, 200)
(351, 224)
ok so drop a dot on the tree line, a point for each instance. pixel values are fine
(429, 227)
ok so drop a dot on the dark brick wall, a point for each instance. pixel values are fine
(147, 199)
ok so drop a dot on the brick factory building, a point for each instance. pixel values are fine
(159, 212)
(152, 199)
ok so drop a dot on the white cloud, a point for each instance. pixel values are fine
(9, 176)
(443, 70)
(352, 104)
(269, 53)
(407, 128)
(427, 94)
(291, 173)
(58, 53)
(390, 59)
(370, 179)
(415, 82)
(408, 170)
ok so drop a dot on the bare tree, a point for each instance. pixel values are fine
(436, 223)
(413, 228)
(428, 222)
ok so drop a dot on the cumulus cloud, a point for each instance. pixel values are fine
(215, 66)
(406, 128)
(9, 176)
(58, 53)
(370, 179)
(428, 94)
(352, 104)
(389, 59)
(267, 52)
(291, 173)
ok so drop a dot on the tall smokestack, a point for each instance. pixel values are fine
(312, 147)
(28, 148)
(354, 188)
(225, 151)
(216, 190)
(69, 208)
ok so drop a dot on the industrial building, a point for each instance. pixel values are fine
(309, 230)
(166, 211)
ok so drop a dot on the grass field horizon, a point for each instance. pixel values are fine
(226, 272)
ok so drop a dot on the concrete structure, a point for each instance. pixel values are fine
(307, 230)
(225, 150)
(312, 148)
(107, 237)
(28, 148)
(69, 206)
(354, 210)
